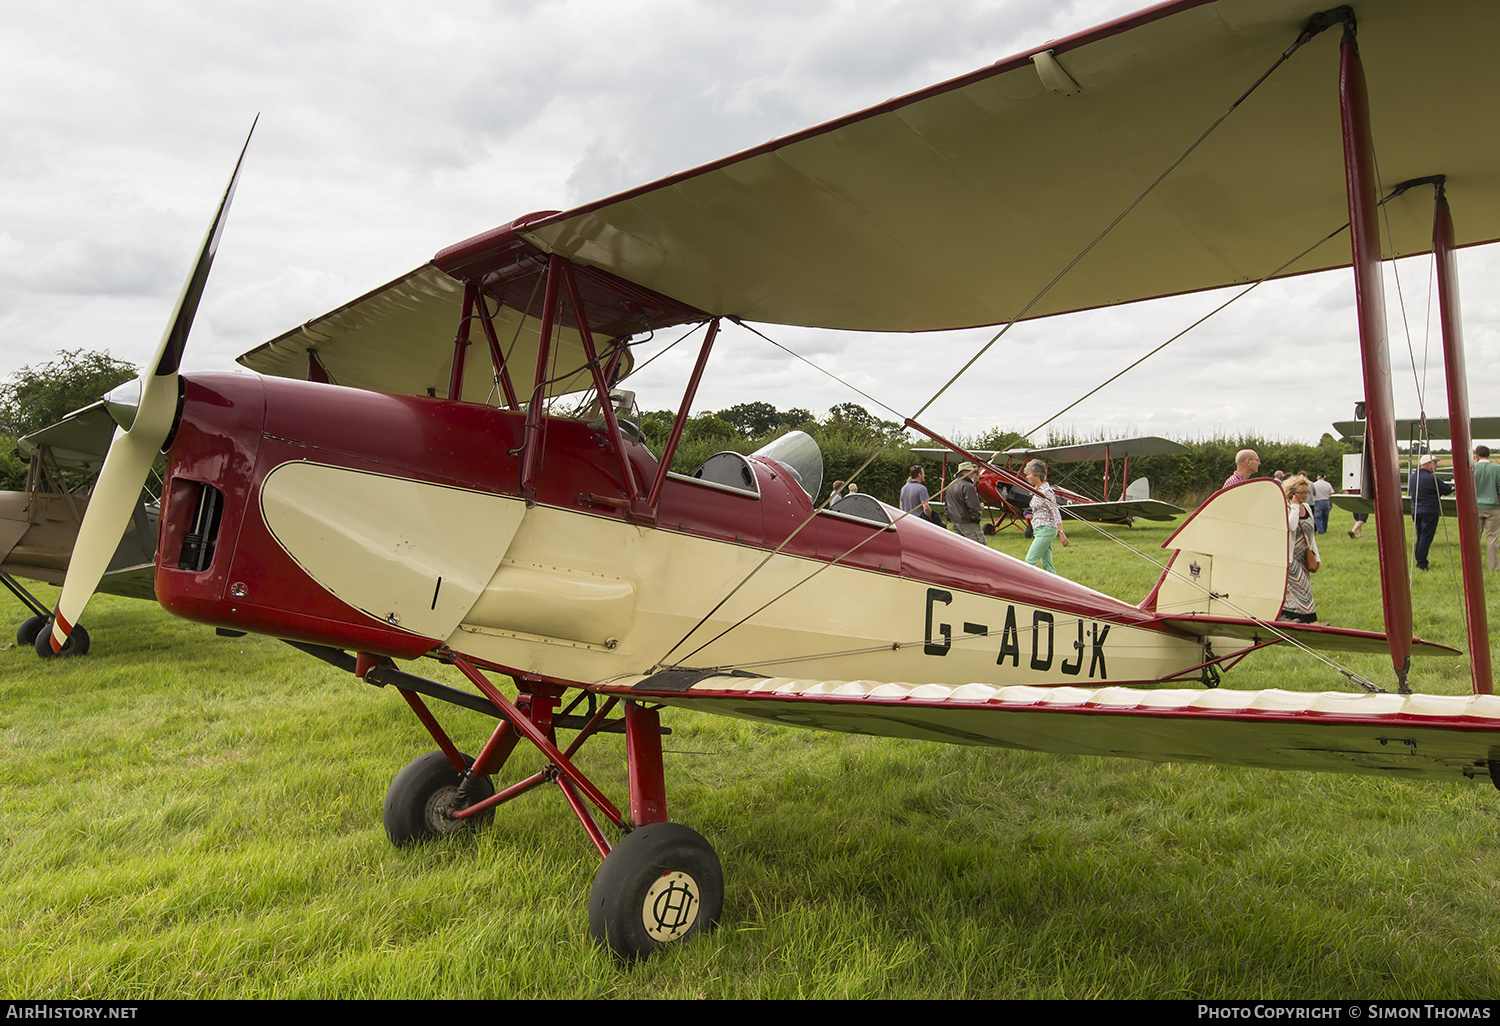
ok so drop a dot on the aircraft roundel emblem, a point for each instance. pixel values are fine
(671, 906)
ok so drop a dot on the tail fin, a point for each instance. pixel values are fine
(1230, 558)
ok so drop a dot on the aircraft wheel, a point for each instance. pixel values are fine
(660, 885)
(29, 629)
(417, 805)
(77, 644)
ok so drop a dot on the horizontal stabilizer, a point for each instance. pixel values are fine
(1113, 512)
(1310, 635)
(1437, 737)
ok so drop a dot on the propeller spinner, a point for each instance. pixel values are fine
(140, 437)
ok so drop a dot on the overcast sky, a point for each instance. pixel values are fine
(391, 130)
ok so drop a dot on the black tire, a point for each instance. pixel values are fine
(29, 629)
(660, 885)
(420, 797)
(77, 643)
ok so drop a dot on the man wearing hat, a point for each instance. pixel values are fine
(963, 503)
(1424, 487)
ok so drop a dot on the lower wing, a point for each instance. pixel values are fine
(1428, 736)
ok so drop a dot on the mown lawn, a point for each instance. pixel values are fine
(188, 816)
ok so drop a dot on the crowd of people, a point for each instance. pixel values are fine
(1309, 505)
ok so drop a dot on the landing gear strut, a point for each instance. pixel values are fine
(660, 884)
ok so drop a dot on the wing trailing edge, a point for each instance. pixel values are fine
(1437, 737)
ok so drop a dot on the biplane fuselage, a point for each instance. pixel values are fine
(396, 524)
(560, 552)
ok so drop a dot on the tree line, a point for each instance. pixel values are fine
(850, 436)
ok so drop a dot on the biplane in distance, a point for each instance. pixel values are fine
(39, 526)
(401, 479)
(1415, 438)
(1003, 486)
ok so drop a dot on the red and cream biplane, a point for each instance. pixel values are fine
(1003, 487)
(418, 492)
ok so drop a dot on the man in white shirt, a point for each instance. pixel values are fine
(1322, 503)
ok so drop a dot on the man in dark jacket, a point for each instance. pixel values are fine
(1426, 507)
(963, 503)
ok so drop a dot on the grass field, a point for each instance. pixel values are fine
(189, 816)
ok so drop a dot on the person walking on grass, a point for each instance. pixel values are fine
(1302, 554)
(1426, 489)
(1046, 518)
(1487, 498)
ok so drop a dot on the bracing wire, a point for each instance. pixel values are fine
(990, 343)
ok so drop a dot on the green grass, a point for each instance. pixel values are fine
(188, 816)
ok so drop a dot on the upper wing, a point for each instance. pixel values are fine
(1115, 448)
(1436, 427)
(1431, 736)
(400, 337)
(956, 205)
(81, 439)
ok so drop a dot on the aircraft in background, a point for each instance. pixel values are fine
(39, 526)
(1008, 496)
(1416, 438)
(459, 513)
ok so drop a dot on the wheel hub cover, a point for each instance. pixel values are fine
(439, 806)
(671, 906)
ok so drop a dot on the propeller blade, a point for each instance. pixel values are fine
(134, 449)
(174, 340)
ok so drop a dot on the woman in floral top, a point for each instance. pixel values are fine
(1046, 518)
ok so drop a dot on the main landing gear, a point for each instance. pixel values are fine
(425, 794)
(76, 645)
(36, 630)
(660, 884)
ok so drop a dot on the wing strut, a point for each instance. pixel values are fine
(1380, 431)
(1463, 443)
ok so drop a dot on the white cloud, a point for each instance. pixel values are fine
(389, 131)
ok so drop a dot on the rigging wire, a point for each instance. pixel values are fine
(1302, 38)
(1424, 434)
(889, 441)
(821, 370)
(1212, 313)
(636, 370)
(781, 595)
